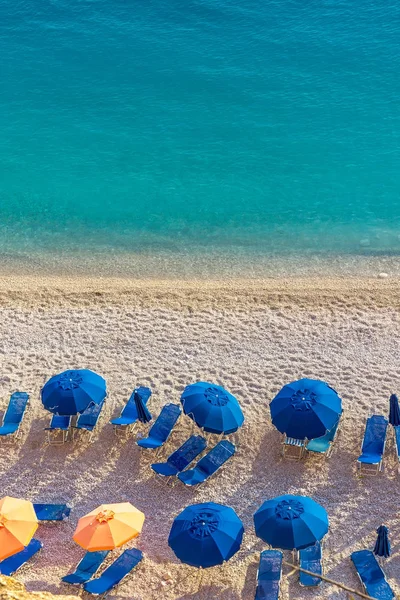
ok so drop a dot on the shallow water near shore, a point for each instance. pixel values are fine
(233, 130)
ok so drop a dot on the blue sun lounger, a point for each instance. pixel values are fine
(14, 414)
(373, 446)
(87, 567)
(10, 565)
(52, 512)
(181, 458)
(125, 423)
(114, 574)
(397, 437)
(324, 444)
(162, 428)
(269, 575)
(311, 560)
(371, 575)
(57, 432)
(88, 420)
(209, 464)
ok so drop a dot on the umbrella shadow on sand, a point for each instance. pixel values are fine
(206, 592)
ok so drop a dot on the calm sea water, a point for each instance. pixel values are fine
(252, 126)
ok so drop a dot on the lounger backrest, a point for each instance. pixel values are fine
(129, 410)
(122, 565)
(212, 461)
(165, 422)
(270, 567)
(90, 416)
(375, 435)
(397, 434)
(367, 566)
(182, 457)
(313, 552)
(52, 512)
(9, 565)
(60, 422)
(16, 408)
(91, 562)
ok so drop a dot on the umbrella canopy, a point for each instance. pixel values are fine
(307, 408)
(213, 408)
(394, 411)
(18, 523)
(71, 392)
(382, 544)
(109, 526)
(205, 535)
(291, 522)
(144, 415)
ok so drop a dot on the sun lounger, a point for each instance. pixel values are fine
(10, 565)
(397, 438)
(311, 560)
(125, 423)
(209, 464)
(88, 420)
(293, 448)
(181, 458)
(324, 444)
(162, 428)
(52, 512)
(57, 432)
(371, 575)
(87, 567)
(12, 419)
(373, 446)
(269, 575)
(119, 569)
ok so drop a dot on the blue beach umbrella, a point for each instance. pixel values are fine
(291, 522)
(144, 415)
(394, 411)
(205, 535)
(382, 544)
(72, 391)
(213, 408)
(307, 408)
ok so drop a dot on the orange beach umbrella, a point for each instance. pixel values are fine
(109, 526)
(18, 523)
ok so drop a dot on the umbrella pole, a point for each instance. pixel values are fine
(323, 578)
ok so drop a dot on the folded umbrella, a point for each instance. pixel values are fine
(18, 523)
(394, 411)
(71, 392)
(144, 415)
(382, 544)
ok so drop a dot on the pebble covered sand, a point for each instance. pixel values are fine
(249, 336)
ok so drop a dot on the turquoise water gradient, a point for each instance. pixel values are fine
(200, 124)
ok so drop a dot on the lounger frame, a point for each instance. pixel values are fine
(293, 449)
(58, 436)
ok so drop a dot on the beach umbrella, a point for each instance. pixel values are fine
(291, 522)
(109, 526)
(382, 544)
(206, 535)
(213, 408)
(307, 408)
(18, 523)
(144, 415)
(394, 411)
(71, 392)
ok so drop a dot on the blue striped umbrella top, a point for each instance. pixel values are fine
(205, 535)
(213, 408)
(306, 408)
(71, 392)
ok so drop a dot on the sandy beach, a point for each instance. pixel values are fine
(252, 337)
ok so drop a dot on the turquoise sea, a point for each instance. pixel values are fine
(247, 128)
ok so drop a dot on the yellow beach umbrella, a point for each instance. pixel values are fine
(18, 523)
(109, 526)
